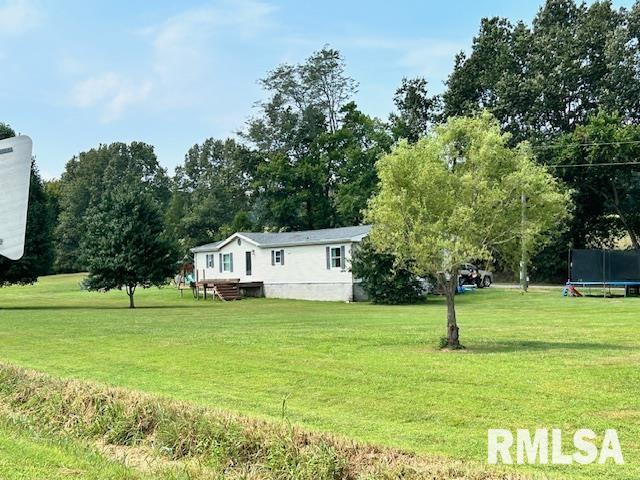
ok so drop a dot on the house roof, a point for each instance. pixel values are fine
(208, 247)
(288, 239)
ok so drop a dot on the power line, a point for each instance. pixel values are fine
(612, 164)
(592, 144)
(589, 144)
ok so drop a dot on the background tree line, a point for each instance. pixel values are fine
(306, 157)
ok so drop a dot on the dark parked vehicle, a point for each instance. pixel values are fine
(469, 274)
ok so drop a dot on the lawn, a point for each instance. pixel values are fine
(25, 454)
(369, 372)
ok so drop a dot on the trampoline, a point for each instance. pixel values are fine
(604, 269)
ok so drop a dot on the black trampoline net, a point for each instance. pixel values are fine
(587, 265)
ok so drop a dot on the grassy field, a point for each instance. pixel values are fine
(372, 373)
(25, 454)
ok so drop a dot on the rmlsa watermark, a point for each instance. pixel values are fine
(544, 449)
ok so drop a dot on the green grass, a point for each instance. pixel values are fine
(368, 372)
(26, 454)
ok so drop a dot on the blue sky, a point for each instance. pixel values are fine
(172, 73)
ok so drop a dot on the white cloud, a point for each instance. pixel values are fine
(182, 60)
(185, 45)
(110, 91)
(18, 16)
(431, 58)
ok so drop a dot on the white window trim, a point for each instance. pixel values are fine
(338, 257)
(226, 262)
(277, 257)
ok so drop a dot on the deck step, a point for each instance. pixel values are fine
(228, 290)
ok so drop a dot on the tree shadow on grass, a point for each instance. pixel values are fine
(508, 346)
(91, 307)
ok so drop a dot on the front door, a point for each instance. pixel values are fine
(248, 262)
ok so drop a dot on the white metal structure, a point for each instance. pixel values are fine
(15, 176)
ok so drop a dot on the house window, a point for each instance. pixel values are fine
(336, 257)
(277, 257)
(227, 265)
(210, 261)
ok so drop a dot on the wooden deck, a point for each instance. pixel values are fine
(228, 289)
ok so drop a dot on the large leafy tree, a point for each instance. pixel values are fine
(125, 244)
(597, 160)
(543, 81)
(83, 183)
(456, 195)
(320, 83)
(211, 192)
(38, 257)
(416, 111)
(352, 153)
(296, 177)
(315, 150)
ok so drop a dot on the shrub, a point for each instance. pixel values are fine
(382, 279)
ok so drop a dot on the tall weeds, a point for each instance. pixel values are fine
(228, 445)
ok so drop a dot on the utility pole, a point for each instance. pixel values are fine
(524, 278)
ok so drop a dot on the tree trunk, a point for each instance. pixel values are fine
(450, 285)
(131, 290)
(616, 205)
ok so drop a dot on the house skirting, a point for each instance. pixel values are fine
(342, 292)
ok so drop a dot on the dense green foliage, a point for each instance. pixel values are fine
(384, 280)
(124, 244)
(611, 193)
(305, 159)
(316, 150)
(416, 110)
(87, 177)
(369, 372)
(545, 80)
(38, 257)
(456, 195)
(210, 191)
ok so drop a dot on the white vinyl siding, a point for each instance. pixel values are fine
(301, 271)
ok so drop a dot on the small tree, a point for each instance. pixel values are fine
(382, 278)
(456, 195)
(125, 244)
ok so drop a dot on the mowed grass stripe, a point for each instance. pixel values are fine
(368, 372)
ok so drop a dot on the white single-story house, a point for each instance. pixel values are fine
(308, 265)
